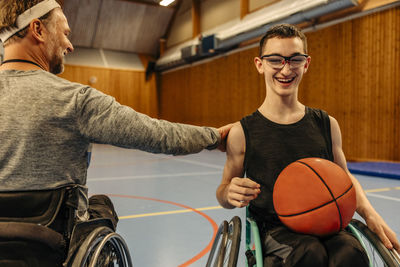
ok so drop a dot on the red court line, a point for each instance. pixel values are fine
(211, 221)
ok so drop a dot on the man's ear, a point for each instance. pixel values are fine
(307, 64)
(37, 28)
(259, 65)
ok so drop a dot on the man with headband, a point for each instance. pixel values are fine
(48, 123)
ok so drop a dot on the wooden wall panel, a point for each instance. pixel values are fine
(128, 87)
(354, 75)
(214, 93)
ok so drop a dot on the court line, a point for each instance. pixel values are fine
(214, 225)
(368, 192)
(384, 197)
(382, 189)
(208, 218)
(167, 212)
(152, 176)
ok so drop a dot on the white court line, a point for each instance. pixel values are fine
(384, 197)
(152, 176)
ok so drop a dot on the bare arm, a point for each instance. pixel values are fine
(235, 191)
(374, 221)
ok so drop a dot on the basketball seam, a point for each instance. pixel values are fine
(327, 187)
(306, 211)
(327, 203)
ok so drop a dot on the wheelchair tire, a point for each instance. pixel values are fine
(217, 252)
(385, 254)
(89, 252)
(115, 246)
(233, 242)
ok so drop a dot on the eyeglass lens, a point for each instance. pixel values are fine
(278, 61)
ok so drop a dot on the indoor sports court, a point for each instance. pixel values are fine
(167, 205)
(193, 62)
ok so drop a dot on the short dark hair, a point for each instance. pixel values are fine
(283, 31)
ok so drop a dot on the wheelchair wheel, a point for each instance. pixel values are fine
(378, 254)
(217, 253)
(112, 251)
(233, 242)
(103, 248)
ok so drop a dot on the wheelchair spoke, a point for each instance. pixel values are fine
(111, 252)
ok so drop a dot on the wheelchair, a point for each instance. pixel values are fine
(225, 249)
(39, 229)
(223, 252)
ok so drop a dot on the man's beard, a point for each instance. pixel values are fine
(57, 65)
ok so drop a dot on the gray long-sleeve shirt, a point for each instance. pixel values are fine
(47, 124)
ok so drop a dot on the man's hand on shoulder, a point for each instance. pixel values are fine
(224, 131)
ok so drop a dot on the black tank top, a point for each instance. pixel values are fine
(270, 147)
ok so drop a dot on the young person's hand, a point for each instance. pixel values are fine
(241, 191)
(383, 231)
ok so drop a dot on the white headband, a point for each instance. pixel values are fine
(25, 18)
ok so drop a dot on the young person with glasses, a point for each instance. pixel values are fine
(281, 131)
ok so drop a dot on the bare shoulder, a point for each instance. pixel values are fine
(335, 128)
(236, 139)
(333, 121)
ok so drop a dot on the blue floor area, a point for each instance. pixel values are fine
(154, 194)
(380, 169)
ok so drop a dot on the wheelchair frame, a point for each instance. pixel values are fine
(254, 255)
(101, 239)
(217, 253)
(85, 244)
(226, 244)
(389, 257)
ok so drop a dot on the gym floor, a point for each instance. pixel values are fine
(167, 205)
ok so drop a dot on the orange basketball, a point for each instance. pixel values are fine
(314, 196)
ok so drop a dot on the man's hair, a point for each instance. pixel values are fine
(283, 31)
(9, 12)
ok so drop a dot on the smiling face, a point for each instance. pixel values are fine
(285, 81)
(58, 44)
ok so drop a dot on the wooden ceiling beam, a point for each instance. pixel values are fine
(164, 38)
(196, 5)
(244, 8)
(171, 21)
